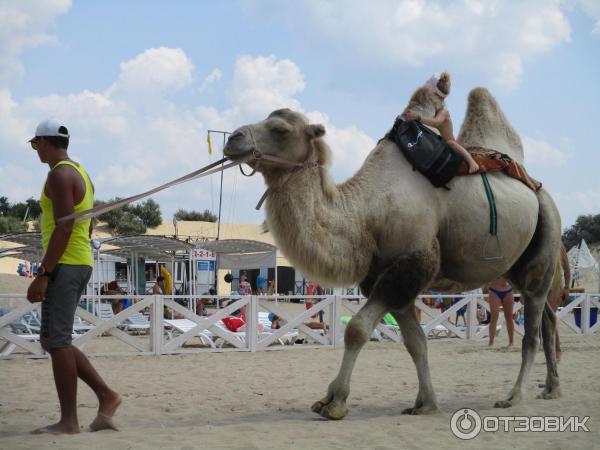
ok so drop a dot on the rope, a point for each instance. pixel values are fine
(98, 210)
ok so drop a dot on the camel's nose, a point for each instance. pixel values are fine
(237, 145)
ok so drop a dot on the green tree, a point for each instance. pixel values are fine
(205, 216)
(585, 227)
(4, 206)
(132, 219)
(12, 225)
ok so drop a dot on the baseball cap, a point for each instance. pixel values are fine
(51, 127)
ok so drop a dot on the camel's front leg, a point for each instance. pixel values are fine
(534, 306)
(415, 342)
(358, 332)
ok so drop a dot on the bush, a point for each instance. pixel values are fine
(206, 216)
(132, 219)
(12, 225)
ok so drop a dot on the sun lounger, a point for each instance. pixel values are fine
(185, 325)
(137, 323)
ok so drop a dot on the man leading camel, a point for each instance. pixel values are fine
(439, 84)
(63, 276)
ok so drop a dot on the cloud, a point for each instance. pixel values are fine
(212, 77)
(538, 152)
(153, 72)
(573, 204)
(494, 38)
(23, 25)
(132, 136)
(592, 9)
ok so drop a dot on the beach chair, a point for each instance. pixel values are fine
(181, 326)
(136, 323)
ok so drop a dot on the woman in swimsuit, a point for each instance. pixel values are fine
(501, 293)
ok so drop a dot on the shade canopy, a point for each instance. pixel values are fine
(242, 253)
(158, 248)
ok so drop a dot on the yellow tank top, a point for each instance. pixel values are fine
(78, 251)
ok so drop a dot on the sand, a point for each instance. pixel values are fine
(262, 400)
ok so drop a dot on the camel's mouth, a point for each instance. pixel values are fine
(238, 149)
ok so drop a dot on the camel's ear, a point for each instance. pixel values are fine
(316, 131)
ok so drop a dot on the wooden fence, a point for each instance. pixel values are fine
(169, 324)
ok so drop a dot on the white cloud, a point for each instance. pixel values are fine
(491, 37)
(23, 25)
(211, 78)
(592, 9)
(573, 204)
(131, 143)
(538, 152)
(152, 72)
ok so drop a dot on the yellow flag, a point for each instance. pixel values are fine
(209, 143)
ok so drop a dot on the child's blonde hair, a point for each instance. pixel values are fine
(444, 83)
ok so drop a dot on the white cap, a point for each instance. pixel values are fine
(51, 127)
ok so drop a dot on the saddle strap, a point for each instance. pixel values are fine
(492, 202)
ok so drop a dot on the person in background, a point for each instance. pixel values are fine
(559, 291)
(501, 294)
(244, 287)
(261, 285)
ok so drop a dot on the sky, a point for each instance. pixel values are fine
(139, 83)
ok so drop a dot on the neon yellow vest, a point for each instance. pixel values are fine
(78, 251)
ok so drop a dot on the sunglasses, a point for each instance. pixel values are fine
(34, 143)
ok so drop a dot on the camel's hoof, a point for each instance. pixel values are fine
(333, 410)
(549, 394)
(317, 406)
(421, 410)
(503, 404)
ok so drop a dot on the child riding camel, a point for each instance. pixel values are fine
(439, 84)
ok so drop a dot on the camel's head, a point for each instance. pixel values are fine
(285, 135)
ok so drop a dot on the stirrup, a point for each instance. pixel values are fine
(495, 255)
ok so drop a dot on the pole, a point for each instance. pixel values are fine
(224, 134)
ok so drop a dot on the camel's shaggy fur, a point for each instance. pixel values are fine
(388, 229)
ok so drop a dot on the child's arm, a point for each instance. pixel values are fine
(435, 122)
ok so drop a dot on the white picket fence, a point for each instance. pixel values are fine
(97, 329)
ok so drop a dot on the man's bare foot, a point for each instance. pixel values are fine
(109, 403)
(57, 428)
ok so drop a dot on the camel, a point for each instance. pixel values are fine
(388, 229)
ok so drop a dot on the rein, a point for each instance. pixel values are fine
(257, 158)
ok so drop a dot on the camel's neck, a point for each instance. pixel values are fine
(322, 231)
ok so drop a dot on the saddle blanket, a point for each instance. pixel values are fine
(491, 161)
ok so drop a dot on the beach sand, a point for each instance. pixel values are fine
(262, 400)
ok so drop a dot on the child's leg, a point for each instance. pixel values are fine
(473, 166)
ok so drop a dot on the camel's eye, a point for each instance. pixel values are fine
(280, 131)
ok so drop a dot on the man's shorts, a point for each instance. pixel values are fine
(65, 287)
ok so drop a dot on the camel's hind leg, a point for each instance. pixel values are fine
(415, 342)
(532, 275)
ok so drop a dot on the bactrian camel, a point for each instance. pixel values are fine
(390, 230)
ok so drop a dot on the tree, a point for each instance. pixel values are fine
(132, 219)
(31, 207)
(205, 216)
(12, 225)
(585, 227)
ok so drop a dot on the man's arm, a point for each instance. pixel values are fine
(564, 261)
(60, 190)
